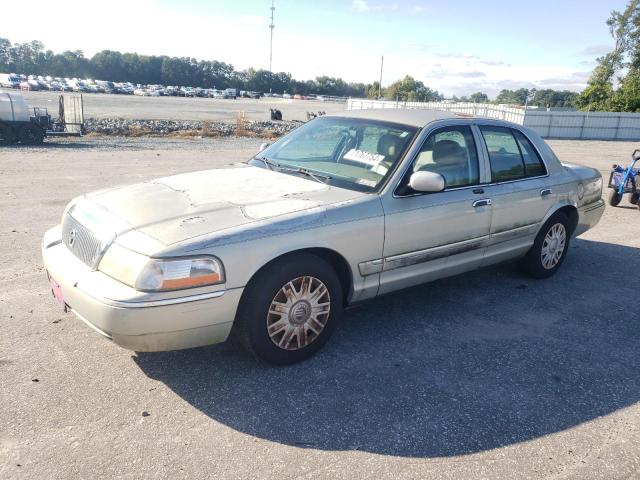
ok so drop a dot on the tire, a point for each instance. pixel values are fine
(276, 323)
(31, 135)
(6, 135)
(614, 198)
(554, 236)
(634, 198)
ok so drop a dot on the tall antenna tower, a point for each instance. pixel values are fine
(271, 27)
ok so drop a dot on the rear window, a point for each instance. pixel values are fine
(511, 155)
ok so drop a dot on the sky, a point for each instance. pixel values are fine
(456, 47)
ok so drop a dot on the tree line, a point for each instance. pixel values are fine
(34, 59)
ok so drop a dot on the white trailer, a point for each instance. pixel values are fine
(20, 124)
(16, 124)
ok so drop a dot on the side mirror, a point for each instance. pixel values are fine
(427, 182)
(263, 146)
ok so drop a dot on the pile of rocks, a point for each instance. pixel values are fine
(135, 128)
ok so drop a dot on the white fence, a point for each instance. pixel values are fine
(548, 124)
(584, 125)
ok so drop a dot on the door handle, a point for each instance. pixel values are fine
(485, 202)
(545, 192)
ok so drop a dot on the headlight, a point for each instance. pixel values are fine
(155, 274)
(178, 273)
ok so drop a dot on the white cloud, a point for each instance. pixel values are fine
(596, 50)
(360, 5)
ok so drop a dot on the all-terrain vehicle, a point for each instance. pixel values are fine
(625, 180)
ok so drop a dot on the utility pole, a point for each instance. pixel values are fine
(271, 27)
(380, 83)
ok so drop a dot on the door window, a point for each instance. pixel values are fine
(533, 165)
(511, 155)
(451, 152)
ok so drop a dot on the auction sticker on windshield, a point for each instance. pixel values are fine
(361, 156)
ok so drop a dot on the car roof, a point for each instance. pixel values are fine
(404, 116)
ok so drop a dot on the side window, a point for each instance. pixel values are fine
(533, 165)
(451, 152)
(504, 154)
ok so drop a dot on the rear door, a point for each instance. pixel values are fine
(517, 190)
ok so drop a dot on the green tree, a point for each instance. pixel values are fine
(513, 97)
(479, 97)
(627, 96)
(625, 29)
(411, 90)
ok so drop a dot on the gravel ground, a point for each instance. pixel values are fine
(485, 375)
(180, 108)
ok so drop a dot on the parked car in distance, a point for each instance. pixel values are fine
(9, 80)
(230, 93)
(343, 209)
(28, 85)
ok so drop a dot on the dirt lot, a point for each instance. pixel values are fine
(179, 108)
(486, 375)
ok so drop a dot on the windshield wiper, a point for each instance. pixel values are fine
(268, 163)
(318, 177)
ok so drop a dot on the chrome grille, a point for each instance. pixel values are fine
(81, 241)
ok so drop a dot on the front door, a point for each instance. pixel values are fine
(428, 236)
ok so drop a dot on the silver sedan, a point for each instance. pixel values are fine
(343, 209)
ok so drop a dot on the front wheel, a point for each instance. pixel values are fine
(614, 198)
(549, 248)
(290, 309)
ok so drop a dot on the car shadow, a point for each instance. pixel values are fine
(462, 365)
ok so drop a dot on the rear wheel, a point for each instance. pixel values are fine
(290, 309)
(31, 135)
(6, 134)
(550, 247)
(614, 198)
(634, 198)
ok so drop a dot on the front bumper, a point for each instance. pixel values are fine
(589, 215)
(136, 320)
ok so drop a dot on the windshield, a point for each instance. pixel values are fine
(346, 152)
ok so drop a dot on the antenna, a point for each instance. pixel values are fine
(271, 27)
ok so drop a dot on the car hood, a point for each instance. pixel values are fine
(177, 208)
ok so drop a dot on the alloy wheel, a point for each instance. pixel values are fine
(298, 313)
(553, 246)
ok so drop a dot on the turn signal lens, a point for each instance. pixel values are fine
(176, 274)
